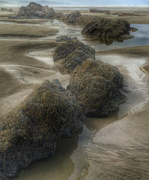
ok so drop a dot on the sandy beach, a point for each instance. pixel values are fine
(118, 145)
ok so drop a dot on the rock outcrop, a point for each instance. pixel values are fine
(35, 11)
(99, 11)
(107, 30)
(72, 17)
(124, 14)
(72, 53)
(64, 38)
(96, 85)
(76, 18)
(31, 130)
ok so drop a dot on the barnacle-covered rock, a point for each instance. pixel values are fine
(32, 129)
(72, 53)
(35, 11)
(107, 30)
(97, 85)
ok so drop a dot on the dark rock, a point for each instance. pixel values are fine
(12, 17)
(99, 11)
(97, 85)
(76, 18)
(34, 11)
(107, 30)
(124, 14)
(71, 18)
(4, 9)
(72, 53)
(133, 29)
(64, 38)
(58, 15)
(32, 129)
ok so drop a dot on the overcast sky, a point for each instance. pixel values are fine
(110, 2)
(91, 2)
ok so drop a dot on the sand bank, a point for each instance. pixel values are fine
(19, 72)
(134, 52)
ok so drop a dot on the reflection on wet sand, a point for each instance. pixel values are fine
(121, 150)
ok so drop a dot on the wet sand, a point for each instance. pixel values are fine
(14, 30)
(134, 52)
(111, 149)
(19, 72)
(121, 150)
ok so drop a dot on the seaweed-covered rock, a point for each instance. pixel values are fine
(97, 85)
(93, 10)
(32, 129)
(76, 18)
(64, 38)
(34, 11)
(107, 30)
(72, 17)
(72, 53)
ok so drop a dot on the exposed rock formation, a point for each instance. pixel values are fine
(107, 30)
(72, 53)
(124, 14)
(96, 85)
(99, 11)
(133, 29)
(72, 17)
(64, 38)
(35, 11)
(76, 18)
(31, 130)
(4, 9)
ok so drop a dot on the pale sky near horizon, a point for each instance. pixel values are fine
(91, 2)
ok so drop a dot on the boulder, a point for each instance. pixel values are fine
(71, 18)
(32, 129)
(72, 53)
(35, 11)
(97, 85)
(76, 18)
(133, 29)
(107, 30)
(99, 11)
(64, 38)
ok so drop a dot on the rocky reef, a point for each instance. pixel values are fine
(94, 10)
(31, 130)
(107, 30)
(72, 53)
(97, 85)
(76, 18)
(35, 11)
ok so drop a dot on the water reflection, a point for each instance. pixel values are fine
(58, 166)
(69, 160)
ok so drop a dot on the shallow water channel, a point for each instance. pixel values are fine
(84, 155)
